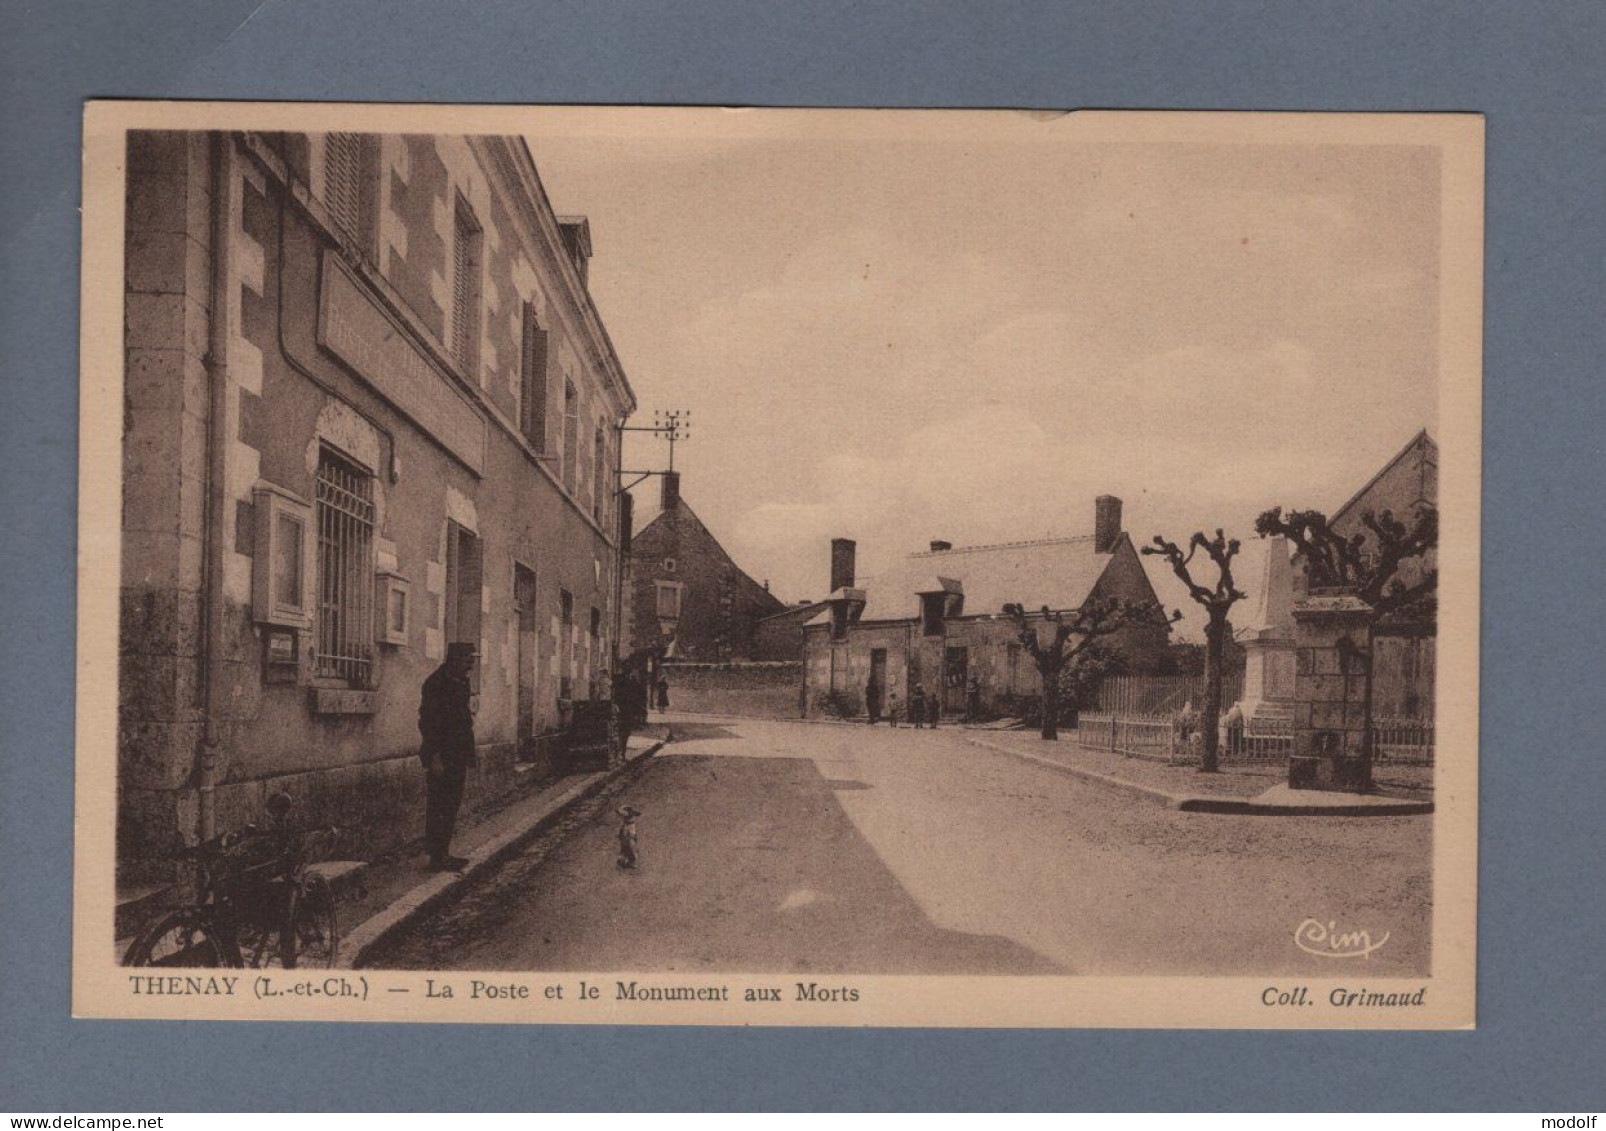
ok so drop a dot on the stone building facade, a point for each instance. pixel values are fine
(371, 410)
(936, 619)
(686, 588)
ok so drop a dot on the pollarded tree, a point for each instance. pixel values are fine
(1217, 601)
(1075, 639)
(1369, 564)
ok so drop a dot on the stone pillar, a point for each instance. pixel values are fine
(1330, 694)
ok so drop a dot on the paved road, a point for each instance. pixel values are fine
(788, 846)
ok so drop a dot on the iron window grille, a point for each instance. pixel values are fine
(345, 570)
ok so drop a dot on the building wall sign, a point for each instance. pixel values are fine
(354, 329)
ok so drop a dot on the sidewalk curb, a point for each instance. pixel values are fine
(1249, 807)
(1144, 792)
(428, 894)
(1193, 803)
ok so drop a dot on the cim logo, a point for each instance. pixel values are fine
(1325, 940)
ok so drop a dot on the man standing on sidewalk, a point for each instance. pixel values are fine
(446, 722)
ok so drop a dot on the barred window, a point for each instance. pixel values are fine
(345, 569)
(466, 289)
(532, 401)
(350, 176)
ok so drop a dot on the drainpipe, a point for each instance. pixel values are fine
(209, 758)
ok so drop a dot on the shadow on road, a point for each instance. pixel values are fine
(700, 732)
(747, 865)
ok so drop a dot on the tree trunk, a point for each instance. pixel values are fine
(1051, 704)
(1210, 719)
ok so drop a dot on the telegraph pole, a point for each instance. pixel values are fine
(673, 425)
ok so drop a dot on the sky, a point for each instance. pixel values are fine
(904, 335)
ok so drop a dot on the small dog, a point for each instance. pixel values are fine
(627, 837)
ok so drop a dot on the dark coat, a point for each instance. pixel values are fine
(445, 719)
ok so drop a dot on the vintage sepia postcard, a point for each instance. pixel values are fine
(778, 567)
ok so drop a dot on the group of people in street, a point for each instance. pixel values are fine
(924, 709)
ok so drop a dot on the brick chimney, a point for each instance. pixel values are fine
(938, 546)
(1106, 523)
(843, 564)
(671, 496)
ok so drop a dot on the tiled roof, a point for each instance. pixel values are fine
(1057, 572)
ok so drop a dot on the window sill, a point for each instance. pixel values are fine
(343, 701)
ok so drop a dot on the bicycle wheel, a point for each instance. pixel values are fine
(179, 938)
(313, 940)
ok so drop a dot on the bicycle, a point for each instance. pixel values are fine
(258, 903)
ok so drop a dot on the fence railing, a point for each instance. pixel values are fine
(1402, 742)
(1155, 737)
(1169, 738)
(1145, 696)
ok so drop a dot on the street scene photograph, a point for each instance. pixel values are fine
(878, 552)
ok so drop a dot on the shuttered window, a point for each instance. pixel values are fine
(350, 174)
(533, 400)
(466, 290)
(599, 472)
(571, 436)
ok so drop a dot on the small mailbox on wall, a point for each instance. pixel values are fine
(281, 654)
(395, 604)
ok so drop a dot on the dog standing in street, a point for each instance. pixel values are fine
(627, 837)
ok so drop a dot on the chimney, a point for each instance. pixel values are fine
(938, 546)
(1106, 523)
(671, 496)
(843, 553)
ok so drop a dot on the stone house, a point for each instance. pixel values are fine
(936, 619)
(371, 410)
(685, 587)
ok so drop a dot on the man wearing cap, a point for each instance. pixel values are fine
(446, 722)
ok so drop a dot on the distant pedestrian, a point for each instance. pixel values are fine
(917, 706)
(662, 690)
(933, 709)
(872, 701)
(892, 709)
(628, 837)
(446, 724)
(973, 700)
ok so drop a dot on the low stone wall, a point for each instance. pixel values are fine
(750, 690)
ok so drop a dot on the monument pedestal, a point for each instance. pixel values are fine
(1330, 694)
(1267, 705)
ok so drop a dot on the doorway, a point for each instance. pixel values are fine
(524, 610)
(955, 669)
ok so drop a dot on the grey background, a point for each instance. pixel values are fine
(1535, 69)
